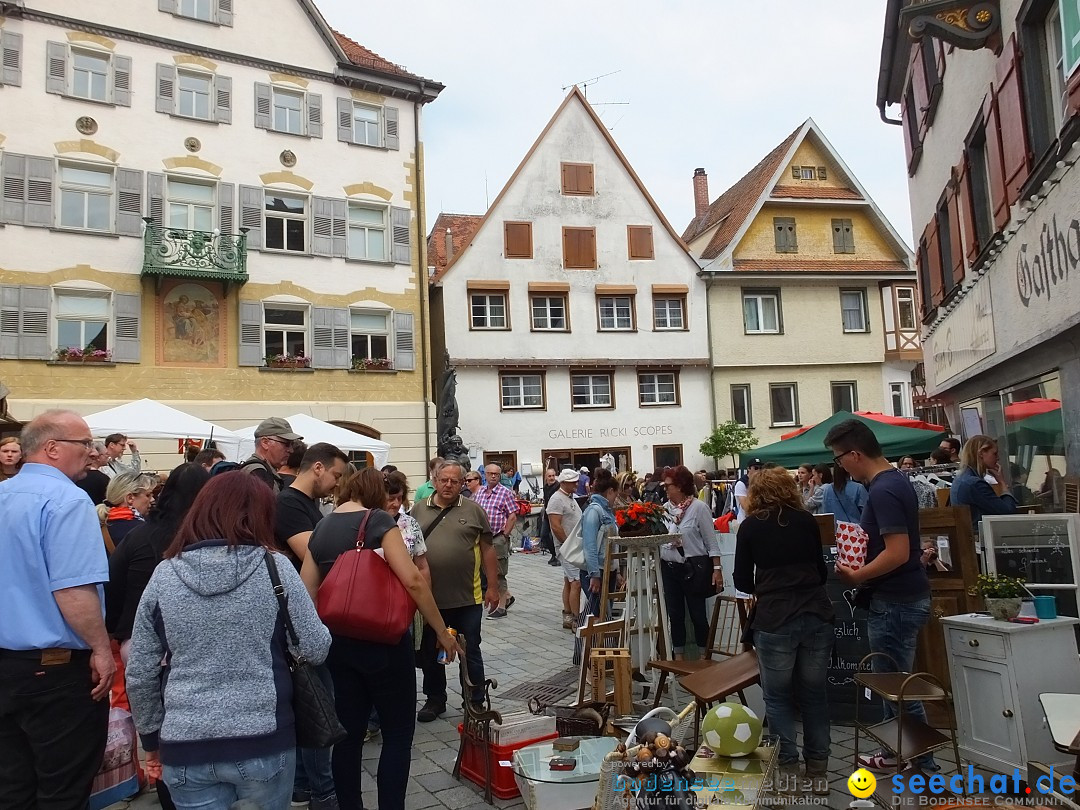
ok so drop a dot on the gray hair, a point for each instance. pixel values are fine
(99, 448)
(445, 464)
(43, 428)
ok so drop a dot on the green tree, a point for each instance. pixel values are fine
(727, 439)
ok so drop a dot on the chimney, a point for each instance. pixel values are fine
(449, 246)
(701, 192)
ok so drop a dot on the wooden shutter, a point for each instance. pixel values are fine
(517, 240)
(13, 173)
(314, 115)
(129, 207)
(966, 205)
(345, 120)
(251, 216)
(956, 242)
(639, 240)
(227, 209)
(155, 198)
(56, 55)
(912, 141)
(9, 322)
(251, 315)
(390, 127)
(404, 343)
(39, 192)
(922, 270)
(843, 236)
(329, 230)
(11, 58)
(933, 257)
(796, 172)
(1008, 89)
(999, 201)
(786, 238)
(402, 235)
(121, 90)
(577, 178)
(263, 107)
(1073, 92)
(920, 90)
(225, 12)
(223, 99)
(127, 346)
(579, 248)
(165, 101)
(34, 323)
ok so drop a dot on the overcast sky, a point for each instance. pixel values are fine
(712, 83)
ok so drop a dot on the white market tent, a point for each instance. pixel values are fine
(149, 419)
(315, 430)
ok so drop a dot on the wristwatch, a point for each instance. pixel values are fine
(717, 568)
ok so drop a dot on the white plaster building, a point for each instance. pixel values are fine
(572, 313)
(279, 173)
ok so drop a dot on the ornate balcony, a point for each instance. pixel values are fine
(176, 253)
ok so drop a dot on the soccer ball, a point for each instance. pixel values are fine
(731, 730)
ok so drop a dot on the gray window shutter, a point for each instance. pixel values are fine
(223, 99)
(404, 345)
(263, 119)
(345, 120)
(322, 241)
(34, 329)
(128, 309)
(342, 348)
(168, 6)
(155, 195)
(251, 350)
(390, 127)
(13, 170)
(314, 115)
(225, 12)
(11, 61)
(39, 192)
(56, 55)
(339, 212)
(322, 354)
(227, 209)
(786, 240)
(9, 323)
(122, 81)
(166, 89)
(796, 172)
(399, 224)
(129, 209)
(251, 215)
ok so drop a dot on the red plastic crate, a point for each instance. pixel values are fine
(503, 785)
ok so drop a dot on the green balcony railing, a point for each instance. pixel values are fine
(194, 254)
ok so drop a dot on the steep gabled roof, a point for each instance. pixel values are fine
(367, 58)
(575, 95)
(462, 228)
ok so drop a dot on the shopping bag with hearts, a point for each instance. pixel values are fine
(851, 541)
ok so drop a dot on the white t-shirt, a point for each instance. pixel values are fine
(740, 492)
(567, 508)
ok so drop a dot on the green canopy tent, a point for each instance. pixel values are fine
(809, 448)
(1043, 431)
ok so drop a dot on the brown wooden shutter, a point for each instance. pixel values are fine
(640, 241)
(999, 202)
(956, 244)
(577, 178)
(966, 204)
(518, 240)
(1016, 158)
(579, 248)
(912, 139)
(933, 259)
(920, 90)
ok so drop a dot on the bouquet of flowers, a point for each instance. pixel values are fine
(641, 518)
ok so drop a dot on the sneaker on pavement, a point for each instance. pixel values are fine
(554, 561)
(498, 613)
(878, 763)
(328, 803)
(568, 621)
(510, 602)
(300, 800)
(430, 710)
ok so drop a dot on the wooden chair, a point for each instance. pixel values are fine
(720, 680)
(724, 639)
(596, 635)
(476, 726)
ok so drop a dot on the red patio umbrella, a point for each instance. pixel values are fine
(903, 421)
(1030, 407)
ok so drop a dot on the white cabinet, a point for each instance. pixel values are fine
(998, 671)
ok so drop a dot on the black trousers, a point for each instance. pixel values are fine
(466, 620)
(679, 603)
(52, 734)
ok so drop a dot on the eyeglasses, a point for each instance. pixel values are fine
(472, 478)
(449, 481)
(836, 459)
(87, 443)
(285, 442)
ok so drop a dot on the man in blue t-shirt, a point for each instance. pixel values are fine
(900, 604)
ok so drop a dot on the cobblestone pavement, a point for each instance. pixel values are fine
(527, 645)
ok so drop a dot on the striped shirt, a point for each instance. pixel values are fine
(499, 503)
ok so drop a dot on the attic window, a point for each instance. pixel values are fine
(807, 173)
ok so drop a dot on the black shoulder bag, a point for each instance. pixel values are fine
(317, 724)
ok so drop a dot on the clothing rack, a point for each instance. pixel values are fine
(936, 468)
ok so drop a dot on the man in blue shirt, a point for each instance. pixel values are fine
(56, 665)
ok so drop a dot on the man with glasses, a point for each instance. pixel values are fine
(274, 439)
(115, 445)
(900, 595)
(56, 666)
(501, 507)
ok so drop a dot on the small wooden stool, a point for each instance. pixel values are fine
(617, 662)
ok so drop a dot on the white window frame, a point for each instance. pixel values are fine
(621, 318)
(546, 313)
(68, 292)
(906, 296)
(387, 332)
(808, 172)
(487, 321)
(86, 190)
(211, 112)
(288, 216)
(368, 228)
(863, 312)
(190, 203)
(899, 389)
(513, 393)
(211, 5)
(651, 388)
(662, 313)
(73, 52)
(1055, 63)
(593, 389)
(853, 393)
(305, 328)
(742, 389)
(378, 124)
(758, 299)
(275, 90)
(793, 389)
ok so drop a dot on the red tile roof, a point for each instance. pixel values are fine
(731, 208)
(364, 57)
(821, 266)
(815, 193)
(462, 229)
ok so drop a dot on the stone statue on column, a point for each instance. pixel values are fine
(451, 447)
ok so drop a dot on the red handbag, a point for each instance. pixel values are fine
(362, 597)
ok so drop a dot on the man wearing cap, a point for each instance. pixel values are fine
(564, 514)
(743, 486)
(274, 439)
(583, 483)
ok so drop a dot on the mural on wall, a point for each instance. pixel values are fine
(191, 324)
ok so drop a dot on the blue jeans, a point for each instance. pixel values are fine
(314, 774)
(794, 662)
(894, 628)
(264, 782)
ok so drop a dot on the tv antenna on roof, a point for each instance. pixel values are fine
(584, 85)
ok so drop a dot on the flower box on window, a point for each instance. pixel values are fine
(288, 361)
(372, 364)
(73, 354)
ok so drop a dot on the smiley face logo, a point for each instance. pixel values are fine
(861, 784)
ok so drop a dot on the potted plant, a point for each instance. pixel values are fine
(69, 354)
(288, 361)
(641, 519)
(90, 355)
(1002, 595)
(372, 364)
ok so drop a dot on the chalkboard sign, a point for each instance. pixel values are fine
(852, 645)
(1040, 549)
